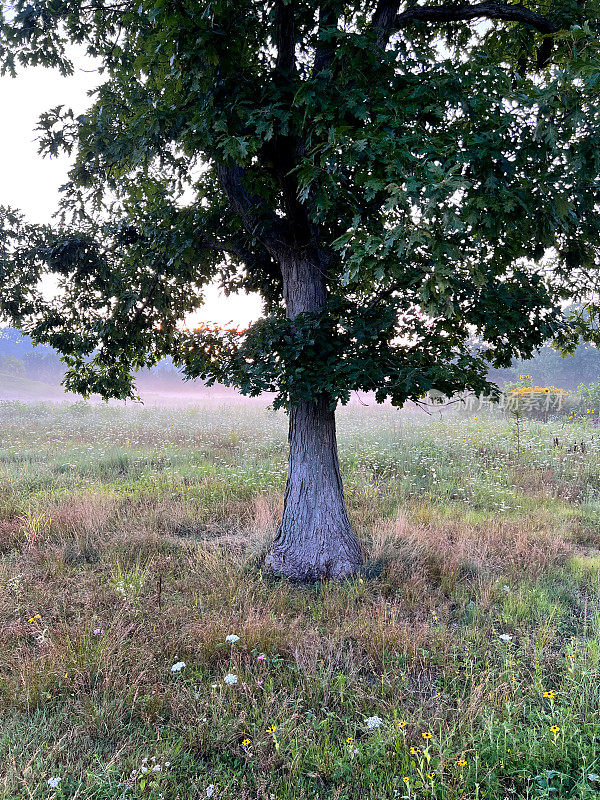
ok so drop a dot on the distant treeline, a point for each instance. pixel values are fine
(20, 358)
(549, 368)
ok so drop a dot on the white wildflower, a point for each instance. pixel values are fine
(230, 679)
(178, 666)
(42, 637)
(506, 637)
(156, 768)
(53, 782)
(373, 722)
(210, 790)
(232, 638)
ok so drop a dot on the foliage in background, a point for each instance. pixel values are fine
(20, 357)
(549, 367)
(522, 398)
(589, 397)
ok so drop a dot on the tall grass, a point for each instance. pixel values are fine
(462, 663)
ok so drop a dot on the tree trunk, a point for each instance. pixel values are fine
(315, 539)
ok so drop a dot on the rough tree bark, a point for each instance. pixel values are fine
(315, 539)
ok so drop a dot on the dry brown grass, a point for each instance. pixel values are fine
(453, 551)
(200, 587)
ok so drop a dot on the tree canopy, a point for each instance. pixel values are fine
(440, 162)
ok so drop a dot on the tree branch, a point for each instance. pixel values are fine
(258, 219)
(259, 264)
(329, 13)
(385, 20)
(285, 37)
(485, 10)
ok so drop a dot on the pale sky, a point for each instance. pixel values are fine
(30, 183)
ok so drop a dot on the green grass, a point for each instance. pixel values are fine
(132, 539)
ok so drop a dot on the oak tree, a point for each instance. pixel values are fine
(397, 180)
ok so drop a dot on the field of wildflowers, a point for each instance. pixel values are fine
(145, 654)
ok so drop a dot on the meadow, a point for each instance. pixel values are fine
(145, 653)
